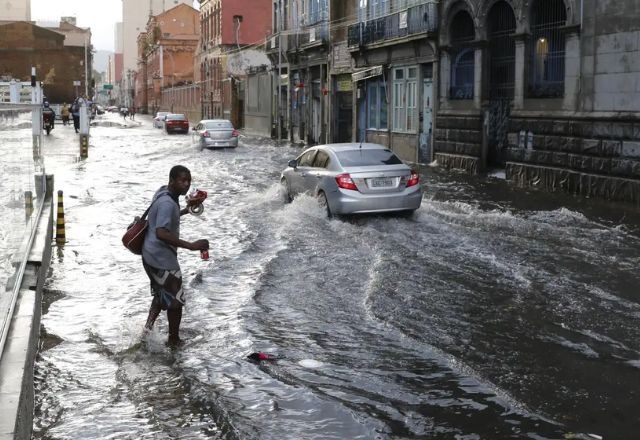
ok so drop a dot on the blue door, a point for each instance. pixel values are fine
(362, 117)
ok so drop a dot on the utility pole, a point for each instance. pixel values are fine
(279, 80)
(161, 67)
(86, 70)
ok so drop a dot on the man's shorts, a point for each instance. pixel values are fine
(166, 286)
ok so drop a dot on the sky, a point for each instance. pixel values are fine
(99, 15)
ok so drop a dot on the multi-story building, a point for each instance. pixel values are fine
(78, 37)
(394, 46)
(15, 10)
(24, 45)
(135, 14)
(338, 68)
(548, 90)
(116, 66)
(232, 33)
(166, 54)
(299, 48)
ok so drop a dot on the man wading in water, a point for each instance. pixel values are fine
(159, 252)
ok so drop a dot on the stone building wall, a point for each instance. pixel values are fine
(23, 45)
(586, 141)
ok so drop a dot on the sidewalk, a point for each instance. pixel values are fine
(21, 346)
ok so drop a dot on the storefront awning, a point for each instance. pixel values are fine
(366, 73)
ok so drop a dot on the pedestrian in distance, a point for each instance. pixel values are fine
(159, 252)
(75, 113)
(64, 113)
(132, 112)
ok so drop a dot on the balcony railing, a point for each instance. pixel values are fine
(413, 20)
(310, 36)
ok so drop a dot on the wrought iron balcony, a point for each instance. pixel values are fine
(275, 40)
(421, 18)
(310, 36)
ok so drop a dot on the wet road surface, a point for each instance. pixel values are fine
(491, 313)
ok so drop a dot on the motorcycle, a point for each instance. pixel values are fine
(47, 121)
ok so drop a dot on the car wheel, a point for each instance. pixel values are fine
(324, 203)
(286, 194)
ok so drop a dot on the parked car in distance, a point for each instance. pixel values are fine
(215, 133)
(353, 178)
(176, 123)
(158, 120)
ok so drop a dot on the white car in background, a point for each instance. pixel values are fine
(158, 121)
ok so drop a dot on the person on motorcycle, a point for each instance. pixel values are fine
(48, 116)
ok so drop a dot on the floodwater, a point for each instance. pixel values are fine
(492, 313)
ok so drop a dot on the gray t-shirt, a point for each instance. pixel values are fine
(164, 213)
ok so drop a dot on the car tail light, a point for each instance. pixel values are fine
(235, 134)
(206, 134)
(414, 179)
(344, 181)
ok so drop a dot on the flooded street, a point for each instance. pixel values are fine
(491, 313)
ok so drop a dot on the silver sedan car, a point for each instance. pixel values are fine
(215, 133)
(353, 178)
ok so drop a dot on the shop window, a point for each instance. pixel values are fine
(547, 54)
(462, 56)
(376, 105)
(405, 97)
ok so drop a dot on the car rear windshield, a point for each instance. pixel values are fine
(367, 158)
(176, 117)
(212, 125)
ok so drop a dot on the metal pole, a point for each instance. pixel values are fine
(279, 79)
(86, 71)
(161, 67)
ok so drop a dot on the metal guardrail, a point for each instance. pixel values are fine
(23, 182)
(422, 18)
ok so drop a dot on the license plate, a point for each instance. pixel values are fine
(381, 183)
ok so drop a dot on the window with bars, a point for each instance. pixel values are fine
(462, 56)
(502, 51)
(547, 54)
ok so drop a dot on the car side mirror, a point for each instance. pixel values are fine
(293, 163)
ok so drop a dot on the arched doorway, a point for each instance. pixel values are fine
(501, 24)
(546, 72)
(462, 34)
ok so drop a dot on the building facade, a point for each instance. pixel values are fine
(15, 10)
(337, 62)
(394, 45)
(78, 37)
(547, 90)
(299, 48)
(23, 45)
(233, 33)
(166, 54)
(135, 14)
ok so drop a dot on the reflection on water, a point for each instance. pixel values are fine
(479, 317)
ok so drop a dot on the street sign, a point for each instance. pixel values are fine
(76, 83)
(107, 86)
